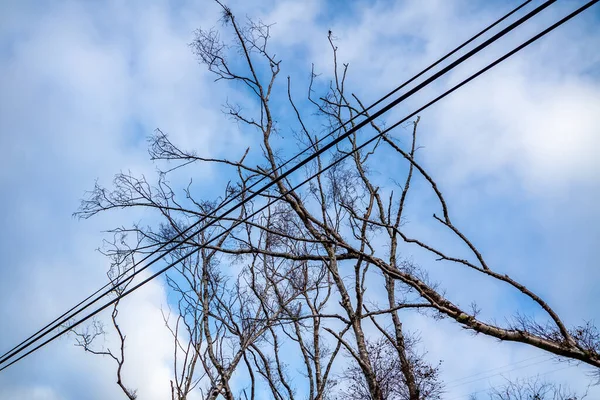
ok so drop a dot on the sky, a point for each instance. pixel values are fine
(84, 83)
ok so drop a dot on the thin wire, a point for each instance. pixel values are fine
(53, 325)
(507, 55)
(527, 378)
(496, 368)
(498, 374)
(127, 292)
(17, 348)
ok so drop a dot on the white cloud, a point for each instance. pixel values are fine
(33, 393)
(81, 91)
(82, 86)
(542, 133)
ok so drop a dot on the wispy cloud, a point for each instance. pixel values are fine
(83, 85)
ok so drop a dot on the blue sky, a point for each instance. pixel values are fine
(84, 83)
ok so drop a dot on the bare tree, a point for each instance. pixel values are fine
(390, 375)
(317, 271)
(123, 258)
(531, 389)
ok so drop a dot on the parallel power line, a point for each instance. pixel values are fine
(297, 166)
(111, 285)
(501, 373)
(502, 367)
(504, 386)
(342, 137)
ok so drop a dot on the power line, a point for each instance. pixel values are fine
(498, 373)
(69, 314)
(497, 368)
(360, 125)
(496, 62)
(23, 343)
(529, 377)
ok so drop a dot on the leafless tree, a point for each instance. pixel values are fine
(123, 258)
(531, 389)
(316, 272)
(390, 378)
